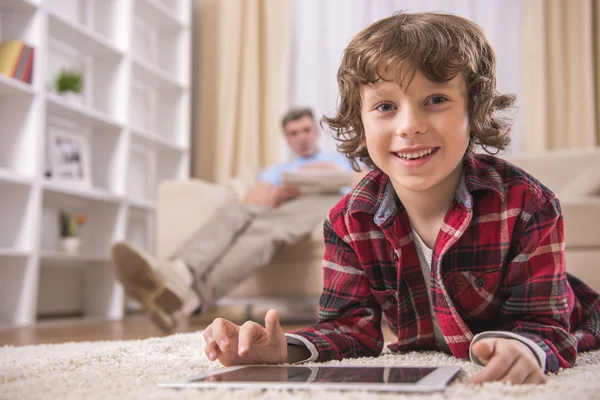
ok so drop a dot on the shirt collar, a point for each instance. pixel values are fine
(477, 175)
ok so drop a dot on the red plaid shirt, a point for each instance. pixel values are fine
(498, 265)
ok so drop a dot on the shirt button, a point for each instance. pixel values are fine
(480, 283)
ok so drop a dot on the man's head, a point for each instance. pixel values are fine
(441, 47)
(301, 131)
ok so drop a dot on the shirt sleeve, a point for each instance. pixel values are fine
(343, 163)
(296, 340)
(539, 300)
(349, 322)
(539, 353)
(272, 175)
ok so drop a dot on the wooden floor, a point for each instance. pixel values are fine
(136, 326)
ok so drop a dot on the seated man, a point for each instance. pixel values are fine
(238, 239)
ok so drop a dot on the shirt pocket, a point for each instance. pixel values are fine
(477, 294)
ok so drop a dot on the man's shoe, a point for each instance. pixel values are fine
(164, 288)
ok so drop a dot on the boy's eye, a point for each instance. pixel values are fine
(385, 107)
(437, 100)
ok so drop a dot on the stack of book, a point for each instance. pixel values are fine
(16, 60)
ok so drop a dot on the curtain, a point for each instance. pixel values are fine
(561, 74)
(239, 58)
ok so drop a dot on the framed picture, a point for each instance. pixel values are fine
(69, 155)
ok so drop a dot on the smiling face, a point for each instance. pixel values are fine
(417, 135)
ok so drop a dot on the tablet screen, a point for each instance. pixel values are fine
(302, 374)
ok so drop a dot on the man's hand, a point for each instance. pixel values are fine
(285, 193)
(249, 343)
(321, 165)
(507, 360)
(264, 194)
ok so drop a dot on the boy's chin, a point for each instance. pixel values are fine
(413, 184)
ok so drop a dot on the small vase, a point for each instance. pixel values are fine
(70, 245)
(72, 98)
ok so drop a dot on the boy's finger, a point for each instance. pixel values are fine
(272, 324)
(535, 378)
(221, 329)
(496, 367)
(518, 372)
(249, 332)
(212, 351)
(207, 334)
(484, 349)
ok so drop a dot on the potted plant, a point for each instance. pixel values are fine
(70, 226)
(69, 85)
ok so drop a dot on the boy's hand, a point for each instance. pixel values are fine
(507, 360)
(249, 343)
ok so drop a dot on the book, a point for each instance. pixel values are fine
(16, 60)
(10, 52)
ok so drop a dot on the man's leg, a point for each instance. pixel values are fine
(255, 246)
(164, 287)
(215, 237)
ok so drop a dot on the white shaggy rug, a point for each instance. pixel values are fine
(131, 369)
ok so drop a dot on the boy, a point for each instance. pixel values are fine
(460, 252)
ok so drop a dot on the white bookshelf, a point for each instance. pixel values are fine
(133, 119)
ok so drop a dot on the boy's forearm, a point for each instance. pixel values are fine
(297, 353)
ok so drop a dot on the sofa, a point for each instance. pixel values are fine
(295, 276)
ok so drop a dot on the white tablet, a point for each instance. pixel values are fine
(336, 377)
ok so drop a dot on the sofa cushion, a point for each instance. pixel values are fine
(585, 265)
(582, 222)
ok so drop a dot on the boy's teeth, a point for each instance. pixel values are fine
(415, 154)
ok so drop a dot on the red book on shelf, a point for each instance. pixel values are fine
(24, 71)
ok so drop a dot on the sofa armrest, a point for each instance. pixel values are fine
(571, 172)
(182, 207)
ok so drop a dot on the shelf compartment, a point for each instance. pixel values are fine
(80, 113)
(141, 173)
(160, 113)
(140, 229)
(158, 141)
(19, 21)
(82, 38)
(17, 213)
(154, 76)
(18, 5)
(162, 52)
(18, 134)
(100, 17)
(158, 14)
(96, 234)
(92, 155)
(142, 205)
(11, 86)
(15, 273)
(65, 190)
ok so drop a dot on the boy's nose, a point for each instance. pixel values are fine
(410, 123)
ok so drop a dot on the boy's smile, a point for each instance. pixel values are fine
(413, 157)
(418, 133)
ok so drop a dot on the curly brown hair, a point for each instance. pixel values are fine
(439, 45)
